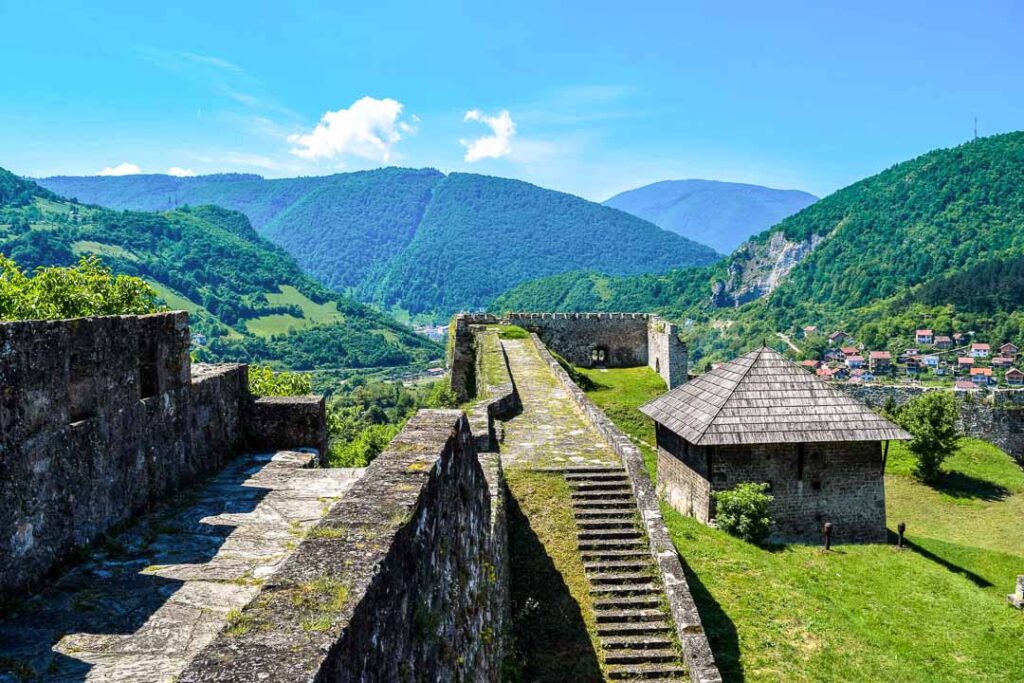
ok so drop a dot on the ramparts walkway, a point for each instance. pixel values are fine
(147, 601)
(625, 605)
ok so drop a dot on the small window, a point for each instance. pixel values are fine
(815, 485)
(800, 462)
(598, 355)
(149, 377)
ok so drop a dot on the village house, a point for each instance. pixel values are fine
(964, 363)
(1001, 362)
(811, 364)
(879, 361)
(925, 337)
(848, 351)
(979, 350)
(761, 418)
(837, 337)
(833, 373)
(965, 386)
(959, 338)
(1009, 350)
(854, 362)
(810, 331)
(1014, 377)
(981, 376)
(943, 341)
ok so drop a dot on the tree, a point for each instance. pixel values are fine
(931, 420)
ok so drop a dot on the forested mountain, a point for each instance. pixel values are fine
(415, 239)
(719, 214)
(246, 296)
(936, 238)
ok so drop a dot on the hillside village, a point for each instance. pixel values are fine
(956, 359)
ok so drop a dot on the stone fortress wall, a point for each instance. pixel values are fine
(614, 340)
(996, 416)
(101, 417)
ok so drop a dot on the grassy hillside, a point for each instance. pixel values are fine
(935, 612)
(246, 296)
(720, 215)
(915, 245)
(415, 240)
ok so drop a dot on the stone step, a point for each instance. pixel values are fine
(645, 600)
(654, 641)
(635, 564)
(635, 656)
(611, 589)
(614, 553)
(588, 513)
(597, 476)
(624, 497)
(612, 487)
(602, 503)
(580, 469)
(645, 671)
(606, 616)
(612, 543)
(634, 628)
(607, 523)
(619, 577)
(592, 534)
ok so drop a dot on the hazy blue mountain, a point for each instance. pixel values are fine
(720, 215)
(414, 239)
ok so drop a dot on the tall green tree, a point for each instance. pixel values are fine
(931, 420)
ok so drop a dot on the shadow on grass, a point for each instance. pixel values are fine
(960, 485)
(720, 629)
(551, 639)
(976, 579)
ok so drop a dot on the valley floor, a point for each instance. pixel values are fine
(935, 612)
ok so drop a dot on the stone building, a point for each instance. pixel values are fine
(761, 418)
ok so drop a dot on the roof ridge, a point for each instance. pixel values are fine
(718, 410)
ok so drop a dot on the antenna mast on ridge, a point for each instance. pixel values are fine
(975, 127)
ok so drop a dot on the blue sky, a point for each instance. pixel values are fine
(586, 97)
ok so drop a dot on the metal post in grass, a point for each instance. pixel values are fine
(901, 529)
(828, 535)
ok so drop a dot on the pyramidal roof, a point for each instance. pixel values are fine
(761, 397)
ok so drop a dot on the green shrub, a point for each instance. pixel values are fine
(263, 381)
(743, 511)
(71, 292)
(442, 396)
(931, 420)
(364, 449)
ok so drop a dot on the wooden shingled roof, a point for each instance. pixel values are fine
(761, 397)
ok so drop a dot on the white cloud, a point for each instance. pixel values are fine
(179, 172)
(368, 129)
(121, 169)
(490, 146)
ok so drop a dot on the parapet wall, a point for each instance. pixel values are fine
(614, 340)
(700, 659)
(996, 417)
(99, 418)
(406, 578)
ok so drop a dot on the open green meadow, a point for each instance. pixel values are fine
(936, 611)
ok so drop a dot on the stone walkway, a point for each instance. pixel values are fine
(549, 433)
(144, 604)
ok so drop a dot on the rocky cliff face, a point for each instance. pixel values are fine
(757, 268)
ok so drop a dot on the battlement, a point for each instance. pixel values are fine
(100, 417)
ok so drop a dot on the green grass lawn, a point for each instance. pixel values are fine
(279, 323)
(84, 247)
(935, 612)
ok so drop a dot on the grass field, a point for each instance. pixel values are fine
(83, 247)
(934, 612)
(174, 301)
(279, 323)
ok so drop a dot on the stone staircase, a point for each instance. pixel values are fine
(633, 624)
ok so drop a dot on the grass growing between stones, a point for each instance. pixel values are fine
(553, 618)
(935, 612)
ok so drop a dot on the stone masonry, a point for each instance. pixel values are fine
(102, 417)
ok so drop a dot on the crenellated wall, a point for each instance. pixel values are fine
(406, 578)
(99, 418)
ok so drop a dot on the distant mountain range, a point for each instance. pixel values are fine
(718, 214)
(248, 300)
(934, 242)
(415, 240)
